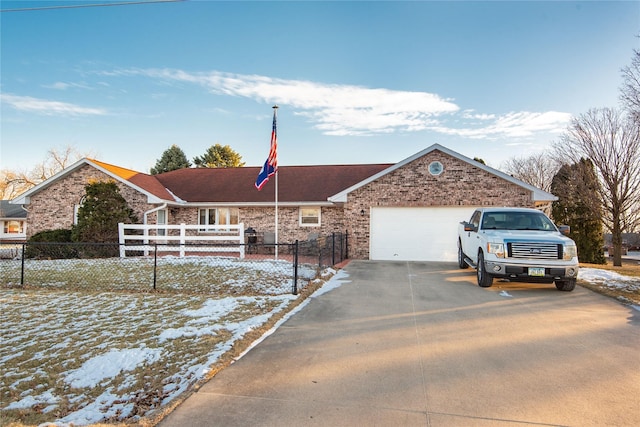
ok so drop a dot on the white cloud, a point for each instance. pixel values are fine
(49, 108)
(471, 114)
(65, 86)
(513, 125)
(336, 109)
(58, 86)
(357, 110)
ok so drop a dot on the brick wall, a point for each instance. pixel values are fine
(289, 228)
(461, 184)
(53, 207)
(262, 219)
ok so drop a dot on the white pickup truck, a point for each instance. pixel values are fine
(517, 244)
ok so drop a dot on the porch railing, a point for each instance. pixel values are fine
(187, 238)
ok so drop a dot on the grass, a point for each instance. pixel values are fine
(49, 334)
(49, 331)
(198, 275)
(629, 268)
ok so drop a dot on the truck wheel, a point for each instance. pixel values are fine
(566, 285)
(485, 280)
(461, 257)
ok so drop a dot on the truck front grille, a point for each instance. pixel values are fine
(531, 250)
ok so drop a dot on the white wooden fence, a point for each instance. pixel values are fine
(180, 238)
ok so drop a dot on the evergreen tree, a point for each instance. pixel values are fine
(609, 138)
(218, 156)
(578, 206)
(173, 158)
(98, 217)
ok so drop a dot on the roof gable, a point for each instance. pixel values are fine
(537, 194)
(145, 184)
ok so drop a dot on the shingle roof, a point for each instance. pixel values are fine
(146, 182)
(296, 184)
(9, 210)
(236, 185)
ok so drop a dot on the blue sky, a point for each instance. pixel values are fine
(356, 82)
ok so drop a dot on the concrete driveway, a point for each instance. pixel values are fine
(420, 344)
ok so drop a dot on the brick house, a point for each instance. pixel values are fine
(404, 211)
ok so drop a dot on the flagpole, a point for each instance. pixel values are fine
(275, 110)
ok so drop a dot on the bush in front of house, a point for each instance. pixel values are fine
(51, 244)
(95, 234)
(103, 207)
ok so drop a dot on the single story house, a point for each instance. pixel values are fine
(13, 223)
(409, 210)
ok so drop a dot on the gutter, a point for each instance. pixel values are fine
(159, 208)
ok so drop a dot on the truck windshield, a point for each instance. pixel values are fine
(517, 221)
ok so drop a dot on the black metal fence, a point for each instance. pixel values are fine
(329, 250)
(214, 269)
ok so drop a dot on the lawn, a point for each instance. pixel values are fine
(79, 355)
(206, 275)
(622, 283)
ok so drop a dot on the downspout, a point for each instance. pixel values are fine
(25, 221)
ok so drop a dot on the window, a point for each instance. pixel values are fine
(218, 216)
(13, 227)
(475, 219)
(310, 217)
(517, 221)
(76, 209)
(162, 220)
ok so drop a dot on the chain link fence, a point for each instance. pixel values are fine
(256, 269)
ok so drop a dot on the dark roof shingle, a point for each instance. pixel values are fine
(236, 185)
(9, 210)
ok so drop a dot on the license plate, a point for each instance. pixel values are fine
(536, 271)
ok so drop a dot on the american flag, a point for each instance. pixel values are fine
(271, 165)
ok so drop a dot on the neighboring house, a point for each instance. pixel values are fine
(404, 211)
(13, 223)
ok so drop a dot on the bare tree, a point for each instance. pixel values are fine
(537, 169)
(630, 90)
(611, 141)
(13, 183)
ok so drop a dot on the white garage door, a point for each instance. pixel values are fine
(416, 234)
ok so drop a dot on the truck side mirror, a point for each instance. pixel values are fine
(469, 227)
(564, 229)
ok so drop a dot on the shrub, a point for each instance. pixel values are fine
(52, 244)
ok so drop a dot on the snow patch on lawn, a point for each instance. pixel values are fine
(608, 278)
(109, 365)
(113, 370)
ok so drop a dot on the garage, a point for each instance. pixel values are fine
(416, 233)
(411, 210)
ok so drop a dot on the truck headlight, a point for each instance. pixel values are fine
(570, 251)
(496, 248)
